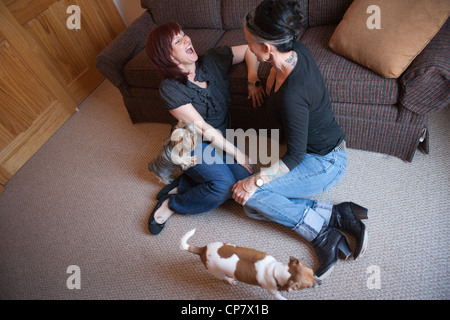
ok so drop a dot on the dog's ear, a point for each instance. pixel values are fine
(180, 124)
(293, 260)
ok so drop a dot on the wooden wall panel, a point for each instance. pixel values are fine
(22, 96)
(109, 17)
(17, 153)
(46, 69)
(66, 49)
(24, 10)
(73, 52)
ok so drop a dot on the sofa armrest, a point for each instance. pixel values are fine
(112, 60)
(425, 85)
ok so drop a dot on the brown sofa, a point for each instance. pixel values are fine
(377, 114)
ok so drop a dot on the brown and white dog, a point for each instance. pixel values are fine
(175, 153)
(232, 264)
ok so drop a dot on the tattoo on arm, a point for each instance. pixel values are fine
(275, 171)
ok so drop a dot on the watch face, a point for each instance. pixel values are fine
(257, 83)
(259, 182)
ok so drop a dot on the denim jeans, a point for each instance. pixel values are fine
(208, 184)
(284, 200)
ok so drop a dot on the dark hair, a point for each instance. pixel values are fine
(277, 22)
(159, 48)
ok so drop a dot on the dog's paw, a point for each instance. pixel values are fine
(231, 281)
(192, 162)
(278, 296)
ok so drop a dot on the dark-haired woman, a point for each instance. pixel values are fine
(316, 158)
(198, 92)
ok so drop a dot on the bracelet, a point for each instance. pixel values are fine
(243, 186)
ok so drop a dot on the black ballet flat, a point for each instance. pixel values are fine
(167, 188)
(153, 226)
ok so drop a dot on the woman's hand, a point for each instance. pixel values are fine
(257, 95)
(244, 190)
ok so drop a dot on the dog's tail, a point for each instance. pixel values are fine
(185, 246)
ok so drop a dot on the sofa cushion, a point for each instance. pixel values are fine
(139, 71)
(238, 73)
(188, 13)
(234, 37)
(405, 29)
(348, 81)
(234, 12)
(323, 12)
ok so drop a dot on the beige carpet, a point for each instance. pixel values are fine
(85, 197)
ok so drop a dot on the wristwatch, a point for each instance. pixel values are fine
(257, 83)
(259, 181)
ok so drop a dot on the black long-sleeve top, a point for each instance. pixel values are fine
(304, 106)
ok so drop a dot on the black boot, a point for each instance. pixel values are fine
(328, 243)
(344, 217)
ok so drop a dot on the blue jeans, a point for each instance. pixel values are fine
(208, 184)
(283, 200)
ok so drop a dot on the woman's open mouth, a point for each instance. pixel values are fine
(189, 50)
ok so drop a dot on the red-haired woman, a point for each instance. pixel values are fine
(197, 91)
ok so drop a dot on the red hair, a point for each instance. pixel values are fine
(159, 50)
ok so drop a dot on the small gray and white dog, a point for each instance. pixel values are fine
(175, 153)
